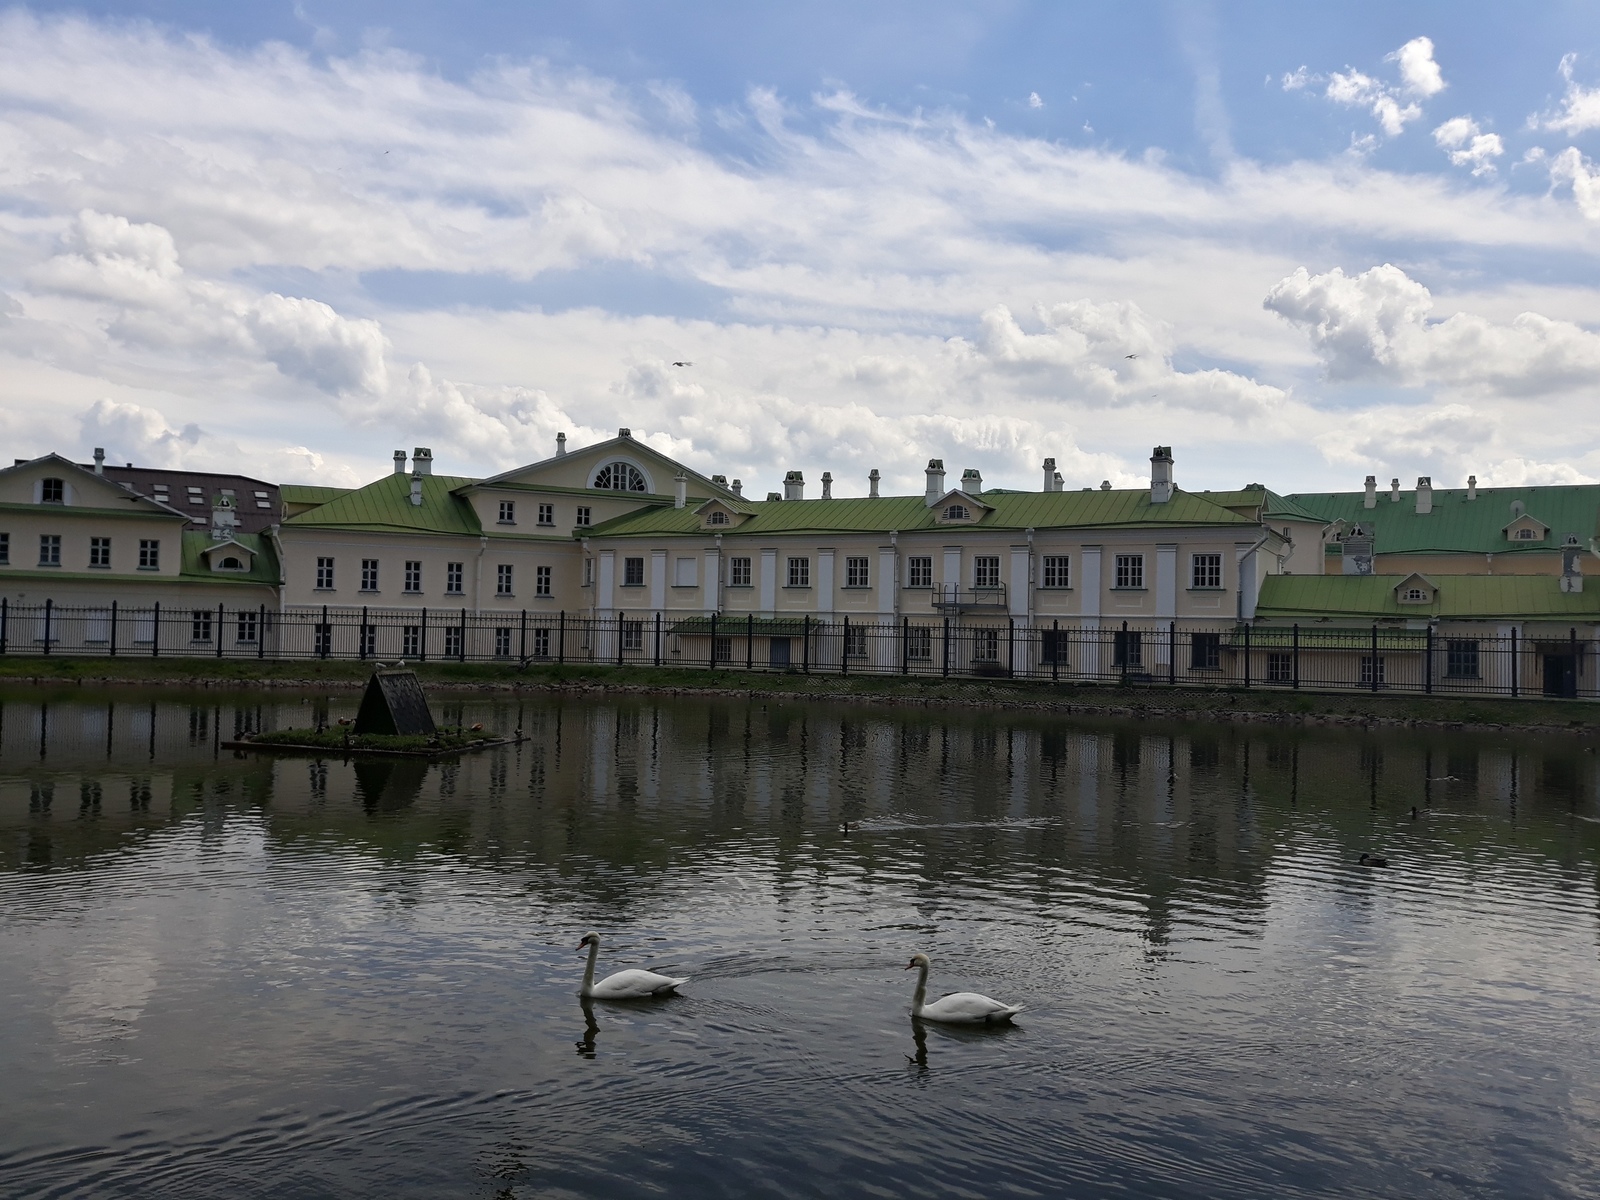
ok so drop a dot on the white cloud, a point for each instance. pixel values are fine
(1034, 101)
(1393, 107)
(1356, 90)
(1570, 167)
(1580, 108)
(1468, 146)
(1297, 80)
(1418, 71)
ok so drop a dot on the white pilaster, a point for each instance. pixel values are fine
(712, 594)
(888, 583)
(769, 581)
(1166, 582)
(1019, 588)
(658, 579)
(824, 581)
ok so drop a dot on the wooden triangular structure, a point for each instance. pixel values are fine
(394, 704)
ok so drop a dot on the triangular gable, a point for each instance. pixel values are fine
(218, 552)
(955, 498)
(731, 513)
(1526, 528)
(1408, 589)
(576, 468)
(108, 492)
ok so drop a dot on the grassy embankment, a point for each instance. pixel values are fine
(1224, 703)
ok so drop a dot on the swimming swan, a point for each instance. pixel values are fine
(958, 1008)
(624, 985)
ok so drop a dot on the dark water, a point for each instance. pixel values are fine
(229, 976)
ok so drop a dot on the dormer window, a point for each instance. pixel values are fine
(620, 477)
(1527, 535)
(1415, 595)
(957, 512)
(716, 517)
(52, 491)
(230, 564)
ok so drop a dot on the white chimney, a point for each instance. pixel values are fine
(872, 483)
(224, 519)
(399, 462)
(680, 490)
(422, 461)
(1394, 490)
(561, 444)
(1472, 487)
(1372, 492)
(1050, 475)
(1161, 488)
(972, 481)
(720, 480)
(416, 487)
(99, 460)
(1105, 485)
(737, 487)
(827, 485)
(1424, 495)
(1057, 483)
(1571, 565)
(935, 482)
(794, 486)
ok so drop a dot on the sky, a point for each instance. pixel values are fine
(1300, 243)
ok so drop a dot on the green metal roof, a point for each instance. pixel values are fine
(385, 507)
(1459, 597)
(263, 562)
(1011, 510)
(309, 493)
(1266, 502)
(1458, 525)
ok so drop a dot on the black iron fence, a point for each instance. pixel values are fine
(1376, 659)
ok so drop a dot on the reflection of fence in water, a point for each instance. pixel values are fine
(969, 643)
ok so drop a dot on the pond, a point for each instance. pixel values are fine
(231, 975)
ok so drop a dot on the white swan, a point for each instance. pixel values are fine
(624, 985)
(958, 1008)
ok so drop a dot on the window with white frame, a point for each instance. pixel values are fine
(855, 573)
(986, 570)
(324, 571)
(1057, 573)
(411, 641)
(620, 477)
(1461, 658)
(454, 573)
(716, 517)
(588, 572)
(200, 625)
(502, 579)
(957, 512)
(1280, 667)
(855, 641)
(1205, 571)
(738, 572)
(799, 572)
(150, 554)
(633, 572)
(49, 549)
(919, 571)
(52, 491)
(247, 628)
(99, 552)
(633, 635)
(585, 515)
(369, 574)
(541, 581)
(508, 512)
(454, 646)
(919, 641)
(541, 641)
(413, 575)
(369, 641)
(1130, 571)
(986, 645)
(547, 514)
(502, 641)
(1372, 670)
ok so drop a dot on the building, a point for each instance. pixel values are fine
(256, 504)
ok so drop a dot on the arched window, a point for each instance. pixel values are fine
(620, 477)
(1416, 594)
(232, 564)
(956, 512)
(716, 517)
(1523, 535)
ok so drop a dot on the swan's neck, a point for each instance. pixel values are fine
(588, 972)
(921, 994)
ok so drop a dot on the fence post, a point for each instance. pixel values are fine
(1572, 635)
(1055, 650)
(48, 612)
(1295, 659)
(1172, 653)
(1374, 671)
(844, 648)
(461, 650)
(1427, 667)
(711, 654)
(5, 621)
(749, 642)
(261, 633)
(219, 630)
(113, 631)
(1011, 647)
(620, 615)
(945, 668)
(905, 645)
(363, 654)
(1516, 681)
(658, 640)
(155, 630)
(561, 636)
(1247, 656)
(1124, 663)
(422, 638)
(324, 635)
(805, 644)
(522, 640)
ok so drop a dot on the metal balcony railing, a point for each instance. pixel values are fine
(955, 597)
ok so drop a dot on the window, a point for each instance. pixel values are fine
(453, 642)
(1127, 648)
(683, 573)
(919, 642)
(5, 549)
(716, 517)
(721, 649)
(738, 572)
(411, 641)
(150, 554)
(502, 580)
(452, 578)
(196, 496)
(369, 641)
(585, 515)
(1526, 535)
(1461, 659)
(1280, 667)
(508, 512)
(547, 514)
(1205, 571)
(323, 640)
(1130, 571)
(619, 477)
(633, 635)
(502, 641)
(633, 572)
(413, 575)
(52, 491)
(1415, 595)
(1205, 651)
(231, 563)
(855, 573)
(957, 512)
(49, 549)
(1372, 670)
(1053, 647)
(324, 574)
(986, 571)
(1056, 573)
(919, 572)
(541, 642)
(369, 574)
(263, 499)
(247, 628)
(588, 572)
(855, 641)
(541, 581)
(799, 572)
(200, 625)
(986, 645)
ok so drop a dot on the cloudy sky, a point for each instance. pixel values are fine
(1300, 243)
